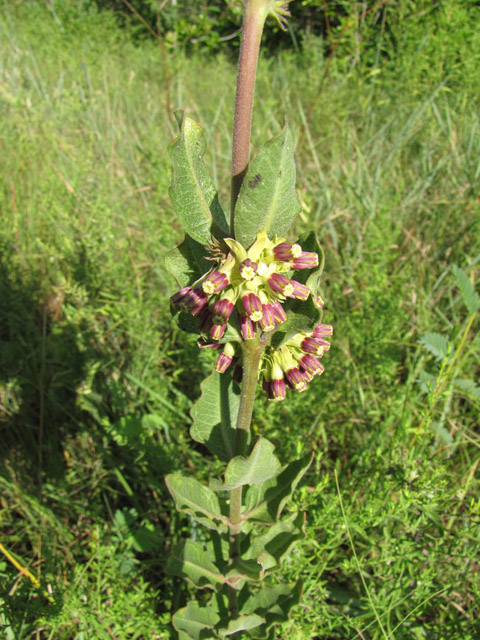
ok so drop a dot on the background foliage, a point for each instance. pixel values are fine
(96, 383)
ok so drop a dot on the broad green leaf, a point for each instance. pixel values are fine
(192, 561)
(267, 199)
(264, 502)
(469, 295)
(192, 191)
(196, 622)
(261, 465)
(435, 343)
(269, 549)
(273, 604)
(215, 414)
(199, 501)
(242, 623)
(187, 263)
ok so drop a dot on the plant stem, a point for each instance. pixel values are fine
(252, 350)
(255, 14)
(254, 18)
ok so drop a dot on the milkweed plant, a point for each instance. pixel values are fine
(252, 297)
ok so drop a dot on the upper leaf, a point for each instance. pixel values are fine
(192, 191)
(215, 414)
(197, 500)
(187, 263)
(267, 199)
(261, 465)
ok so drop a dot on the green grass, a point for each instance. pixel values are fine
(96, 381)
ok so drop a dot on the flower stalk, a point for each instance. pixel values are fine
(256, 12)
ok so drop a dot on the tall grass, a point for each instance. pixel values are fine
(96, 382)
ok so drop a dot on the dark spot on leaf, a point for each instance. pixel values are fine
(254, 181)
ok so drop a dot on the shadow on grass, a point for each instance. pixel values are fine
(41, 366)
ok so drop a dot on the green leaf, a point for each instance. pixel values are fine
(192, 191)
(467, 290)
(261, 465)
(187, 263)
(426, 381)
(441, 432)
(468, 386)
(195, 622)
(269, 548)
(242, 570)
(273, 604)
(242, 623)
(267, 199)
(215, 414)
(435, 343)
(192, 561)
(196, 499)
(265, 502)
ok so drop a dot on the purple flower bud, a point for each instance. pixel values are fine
(203, 343)
(295, 379)
(309, 364)
(190, 300)
(196, 303)
(177, 299)
(280, 284)
(278, 312)
(215, 282)
(267, 321)
(247, 328)
(307, 260)
(222, 310)
(252, 306)
(318, 302)
(322, 330)
(223, 362)
(216, 331)
(300, 291)
(277, 390)
(286, 251)
(248, 269)
(312, 346)
(205, 319)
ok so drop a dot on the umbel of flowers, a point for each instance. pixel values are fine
(250, 289)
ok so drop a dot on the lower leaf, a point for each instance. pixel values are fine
(195, 622)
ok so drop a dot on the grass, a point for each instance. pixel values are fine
(96, 382)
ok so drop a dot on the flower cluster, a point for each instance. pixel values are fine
(252, 283)
(296, 362)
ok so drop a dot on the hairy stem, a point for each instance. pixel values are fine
(255, 14)
(252, 350)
